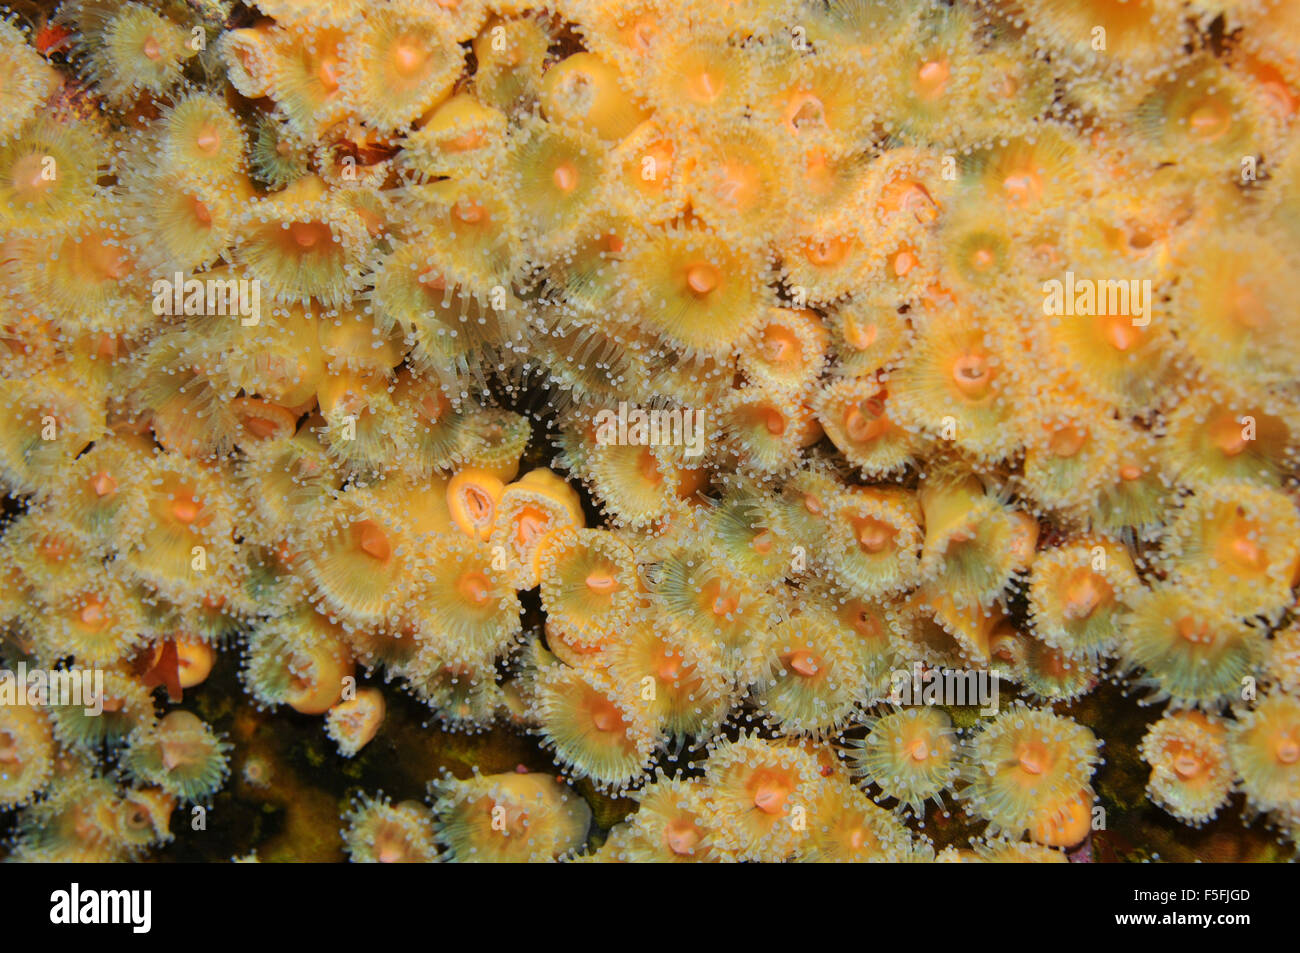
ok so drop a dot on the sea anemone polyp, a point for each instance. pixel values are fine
(26, 753)
(379, 832)
(762, 793)
(1264, 745)
(1025, 766)
(911, 754)
(597, 727)
(631, 391)
(1191, 775)
(181, 755)
(508, 818)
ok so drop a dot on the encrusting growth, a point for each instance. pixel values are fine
(670, 384)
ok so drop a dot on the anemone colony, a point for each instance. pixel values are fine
(477, 227)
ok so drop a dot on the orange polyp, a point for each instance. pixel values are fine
(432, 280)
(770, 794)
(389, 850)
(861, 336)
(817, 169)
(28, 174)
(983, 259)
(1068, 440)
(107, 346)
(1054, 664)
(720, 601)
(565, 177)
(724, 605)
(53, 547)
(208, 140)
(372, 540)
(174, 752)
(702, 278)
(300, 684)
(1004, 646)
(774, 350)
(1193, 631)
(670, 669)
(932, 79)
(971, 374)
(1286, 749)
(1209, 122)
(737, 185)
(1006, 85)
(805, 109)
(1064, 824)
(1273, 87)
(681, 837)
(107, 259)
(185, 511)
(962, 535)
(827, 252)
(530, 526)
(602, 583)
(904, 262)
(470, 140)
(471, 212)
(151, 49)
(194, 661)
(474, 587)
(512, 815)
(780, 345)
(1033, 758)
(704, 87)
(1022, 188)
(309, 234)
(662, 152)
(479, 504)
(92, 614)
(1226, 434)
(865, 624)
(1084, 594)
(432, 406)
(606, 716)
(1024, 537)
(640, 34)
(1130, 472)
(861, 427)
(874, 535)
(1121, 333)
(917, 749)
(103, 484)
(1243, 548)
(202, 213)
(1187, 766)
(614, 244)
(774, 421)
(648, 467)
(262, 427)
(762, 543)
(1245, 309)
(805, 663)
(407, 57)
(328, 73)
(812, 504)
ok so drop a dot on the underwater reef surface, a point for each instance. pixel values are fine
(649, 430)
